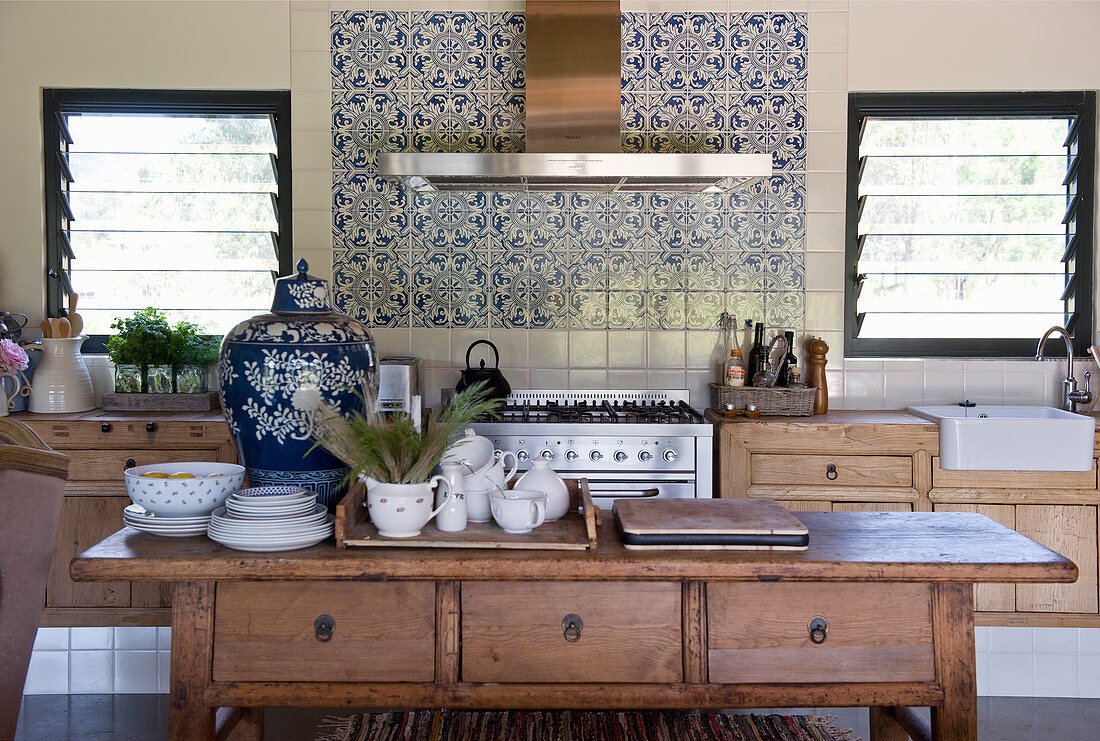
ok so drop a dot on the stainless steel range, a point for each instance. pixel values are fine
(626, 443)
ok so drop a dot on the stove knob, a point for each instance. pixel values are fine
(620, 456)
(644, 456)
(571, 455)
(596, 456)
(671, 455)
(522, 455)
(547, 454)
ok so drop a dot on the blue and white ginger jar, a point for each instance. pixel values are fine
(264, 360)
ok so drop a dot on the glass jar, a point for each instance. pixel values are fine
(127, 379)
(158, 379)
(191, 379)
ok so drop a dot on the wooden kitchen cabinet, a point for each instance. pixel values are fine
(839, 461)
(888, 461)
(100, 444)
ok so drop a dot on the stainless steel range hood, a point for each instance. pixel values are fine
(573, 118)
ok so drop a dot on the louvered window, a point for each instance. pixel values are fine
(970, 222)
(173, 199)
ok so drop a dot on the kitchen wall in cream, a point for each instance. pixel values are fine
(858, 45)
(983, 46)
(204, 45)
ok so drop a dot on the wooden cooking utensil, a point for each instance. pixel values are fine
(60, 327)
(47, 330)
(76, 322)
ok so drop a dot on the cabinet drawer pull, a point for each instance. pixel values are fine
(830, 472)
(324, 626)
(130, 463)
(571, 626)
(819, 629)
(150, 426)
(105, 427)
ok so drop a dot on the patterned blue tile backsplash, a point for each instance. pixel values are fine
(454, 81)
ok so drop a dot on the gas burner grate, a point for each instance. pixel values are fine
(600, 407)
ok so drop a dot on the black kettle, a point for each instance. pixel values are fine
(495, 382)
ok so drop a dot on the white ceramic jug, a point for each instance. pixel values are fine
(542, 478)
(62, 382)
(453, 518)
(401, 510)
(8, 400)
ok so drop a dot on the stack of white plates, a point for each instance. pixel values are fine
(271, 518)
(139, 518)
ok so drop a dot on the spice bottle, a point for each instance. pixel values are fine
(735, 371)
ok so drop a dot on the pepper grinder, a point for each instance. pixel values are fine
(817, 349)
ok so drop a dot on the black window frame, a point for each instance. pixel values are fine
(57, 101)
(1081, 104)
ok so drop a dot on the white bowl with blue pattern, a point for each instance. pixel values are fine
(183, 497)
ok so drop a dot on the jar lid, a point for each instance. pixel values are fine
(301, 293)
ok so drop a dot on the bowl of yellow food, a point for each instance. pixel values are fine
(183, 489)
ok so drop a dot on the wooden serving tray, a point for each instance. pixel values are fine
(576, 531)
(204, 402)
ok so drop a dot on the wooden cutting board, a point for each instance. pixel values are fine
(760, 524)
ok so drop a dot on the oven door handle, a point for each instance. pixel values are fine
(632, 493)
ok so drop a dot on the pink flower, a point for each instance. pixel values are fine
(12, 357)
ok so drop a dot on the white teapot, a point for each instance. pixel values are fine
(542, 478)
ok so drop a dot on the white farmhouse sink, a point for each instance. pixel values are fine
(1004, 438)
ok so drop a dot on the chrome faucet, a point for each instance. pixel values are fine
(1071, 397)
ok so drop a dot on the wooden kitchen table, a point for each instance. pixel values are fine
(877, 612)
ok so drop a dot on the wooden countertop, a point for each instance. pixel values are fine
(838, 417)
(99, 415)
(860, 546)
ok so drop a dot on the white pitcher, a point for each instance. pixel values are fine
(62, 382)
(8, 400)
(401, 510)
(453, 518)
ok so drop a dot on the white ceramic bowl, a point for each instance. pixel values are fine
(183, 497)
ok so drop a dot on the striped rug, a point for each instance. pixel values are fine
(447, 725)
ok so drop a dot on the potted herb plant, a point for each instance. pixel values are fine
(391, 454)
(139, 351)
(191, 354)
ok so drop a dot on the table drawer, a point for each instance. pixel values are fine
(876, 633)
(107, 465)
(832, 470)
(384, 632)
(513, 632)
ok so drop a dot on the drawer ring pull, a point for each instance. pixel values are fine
(830, 472)
(819, 629)
(324, 626)
(571, 626)
(130, 463)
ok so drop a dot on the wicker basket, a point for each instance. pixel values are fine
(785, 402)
